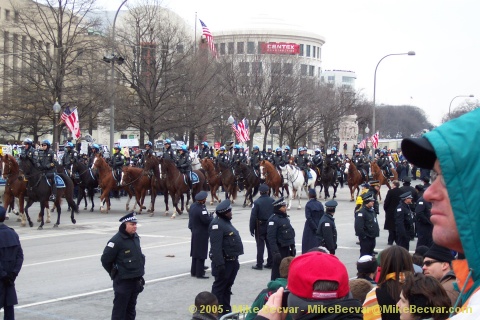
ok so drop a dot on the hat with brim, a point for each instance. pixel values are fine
(406, 195)
(279, 203)
(129, 217)
(223, 207)
(3, 212)
(202, 195)
(419, 152)
(263, 188)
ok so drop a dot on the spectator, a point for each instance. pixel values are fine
(423, 293)
(313, 213)
(396, 264)
(359, 288)
(206, 305)
(437, 263)
(417, 258)
(272, 287)
(390, 206)
(367, 268)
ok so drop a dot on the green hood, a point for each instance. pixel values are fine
(277, 283)
(457, 147)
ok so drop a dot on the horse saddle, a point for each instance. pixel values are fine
(193, 177)
(58, 182)
(309, 174)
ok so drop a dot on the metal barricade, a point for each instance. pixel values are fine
(234, 316)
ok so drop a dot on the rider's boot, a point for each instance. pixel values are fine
(53, 196)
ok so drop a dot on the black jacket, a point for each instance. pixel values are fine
(46, 160)
(390, 206)
(225, 241)
(198, 223)
(280, 232)
(366, 224)
(117, 160)
(327, 233)
(262, 209)
(11, 260)
(184, 164)
(404, 220)
(422, 211)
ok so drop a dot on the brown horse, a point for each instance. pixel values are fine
(108, 183)
(272, 178)
(177, 186)
(15, 186)
(354, 179)
(213, 177)
(139, 180)
(377, 174)
(229, 181)
(157, 184)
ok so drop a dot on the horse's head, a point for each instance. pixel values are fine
(9, 165)
(262, 171)
(207, 164)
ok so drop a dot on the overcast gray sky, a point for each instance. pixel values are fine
(358, 33)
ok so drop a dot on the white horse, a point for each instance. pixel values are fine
(294, 177)
(196, 165)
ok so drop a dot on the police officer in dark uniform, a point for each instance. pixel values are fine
(366, 225)
(148, 149)
(243, 155)
(424, 225)
(286, 155)
(29, 151)
(317, 161)
(225, 247)
(313, 213)
(169, 153)
(280, 236)
(198, 223)
(301, 160)
(359, 161)
(327, 231)
(123, 259)
(262, 209)
(205, 153)
(278, 159)
(404, 221)
(256, 158)
(222, 156)
(332, 160)
(184, 164)
(46, 161)
(117, 161)
(237, 156)
(68, 156)
(95, 149)
(384, 163)
(374, 188)
(11, 260)
(269, 155)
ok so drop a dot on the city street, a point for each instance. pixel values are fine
(62, 277)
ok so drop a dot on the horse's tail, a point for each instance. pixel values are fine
(255, 190)
(69, 186)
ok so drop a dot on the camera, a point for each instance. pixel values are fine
(286, 292)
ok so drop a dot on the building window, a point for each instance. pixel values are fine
(301, 50)
(7, 14)
(348, 80)
(258, 129)
(231, 48)
(216, 47)
(123, 136)
(331, 79)
(319, 52)
(244, 67)
(257, 67)
(79, 71)
(250, 47)
(240, 48)
(314, 51)
(222, 48)
(16, 17)
(303, 69)
(259, 49)
(308, 51)
(276, 68)
(311, 71)
(320, 72)
(287, 68)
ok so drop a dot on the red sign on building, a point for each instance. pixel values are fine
(280, 48)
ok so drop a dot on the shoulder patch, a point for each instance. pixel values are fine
(421, 202)
(204, 212)
(253, 205)
(399, 209)
(327, 224)
(271, 223)
(360, 215)
(215, 226)
(111, 244)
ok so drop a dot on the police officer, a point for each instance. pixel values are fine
(404, 221)
(278, 159)
(68, 156)
(117, 163)
(11, 260)
(280, 236)
(29, 151)
(374, 189)
(366, 225)
(198, 223)
(123, 259)
(205, 153)
(243, 155)
(262, 209)
(384, 163)
(256, 158)
(169, 153)
(222, 156)
(424, 225)
(301, 160)
(237, 156)
(317, 161)
(225, 247)
(359, 161)
(269, 155)
(327, 232)
(286, 155)
(184, 164)
(313, 213)
(332, 161)
(148, 149)
(46, 162)
(95, 149)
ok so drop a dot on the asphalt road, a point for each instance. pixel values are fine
(62, 277)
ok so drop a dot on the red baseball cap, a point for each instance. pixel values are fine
(311, 267)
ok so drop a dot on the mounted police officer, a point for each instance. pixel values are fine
(169, 153)
(327, 231)
(222, 156)
(149, 149)
(205, 153)
(225, 247)
(366, 225)
(317, 161)
(68, 156)
(124, 261)
(404, 218)
(184, 164)
(278, 159)
(198, 223)
(359, 161)
(236, 156)
(301, 160)
(95, 149)
(243, 155)
(280, 236)
(262, 209)
(256, 158)
(46, 161)
(286, 155)
(332, 161)
(29, 151)
(117, 161)
(384, 163)
(269, 155)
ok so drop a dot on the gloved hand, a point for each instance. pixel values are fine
(221, 271)
(9, 280)
(277, 258)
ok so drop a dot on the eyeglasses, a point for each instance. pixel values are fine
(44, 145)
(428, 263)
(434, 175)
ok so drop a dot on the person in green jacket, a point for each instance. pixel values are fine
(272, 287)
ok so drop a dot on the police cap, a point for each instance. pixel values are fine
(279, 203)
(312, 192)
(263, 188)
(367, 197)
(331, 203)
(223, 207)
(407, 179)
(129, 217)
(406, 195)
(374, 183)
(202, 195)
(3, 212)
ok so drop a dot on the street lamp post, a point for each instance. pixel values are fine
(367, 130)
(409, 53)
(463, 96)
(56, 112)
(112, 79)
(231, 120)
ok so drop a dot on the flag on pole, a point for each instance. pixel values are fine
(363, 144)
(241, 130)
(71, 120)
(374, 140)
(209, 38)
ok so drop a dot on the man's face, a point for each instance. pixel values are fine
(434, 268)
(147, 146)
(445, 232)
(130, 227)
(408, 200)
(369, 204)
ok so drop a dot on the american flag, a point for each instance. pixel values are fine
(71, 120)
(374, 140)
(208, 36)
(363, 144)
(241, 130)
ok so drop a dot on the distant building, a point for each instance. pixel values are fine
(339, 78)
